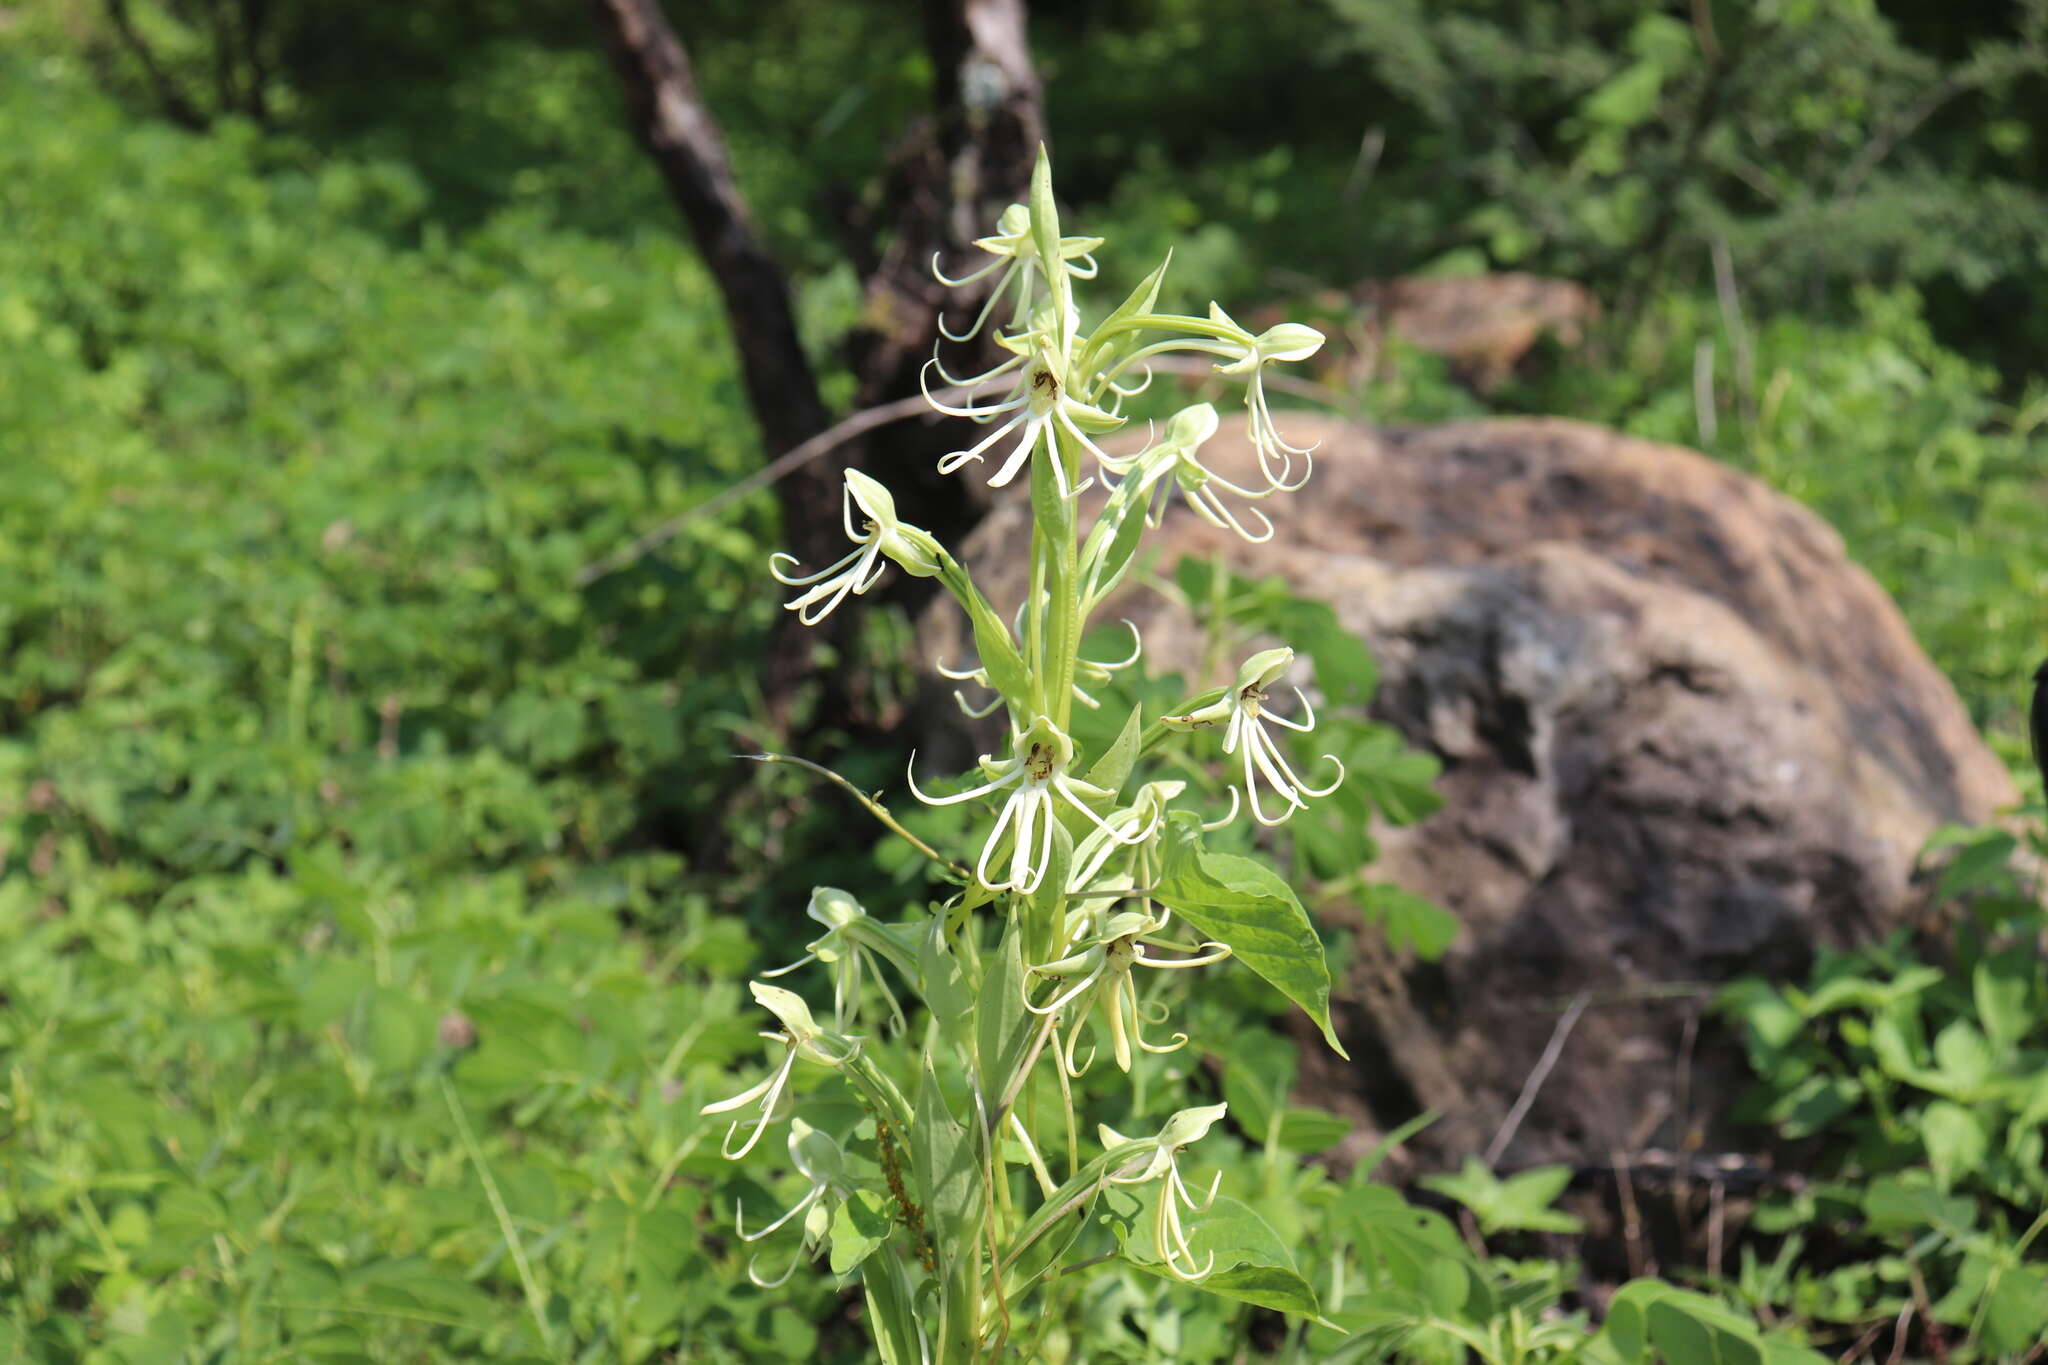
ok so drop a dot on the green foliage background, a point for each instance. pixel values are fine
(372, 896)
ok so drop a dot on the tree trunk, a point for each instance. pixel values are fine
(948, 180)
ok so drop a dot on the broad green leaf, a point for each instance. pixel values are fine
(1892, 1204)
(1955, 1139)
(1252, 1264)
(397, 1030)
(1245, 904)
(1409, 920)
(1692, 1329)
(2016, 1310)
(859, 1225)
(1649, 1320)
(2001, 985)
(1963, 1059)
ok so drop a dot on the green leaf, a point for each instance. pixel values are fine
(1891, 1204)
(1956, 1141)
(397, 1030)
(948, 1175)
(1397, 779)
(2016, 1310)
(1002, 1026)
(1245, 904)
(859, 1225)
(1409, 920)
(2001, 985)
(1648, 1320)
(1252, 1265)
(888, 1301)
(941, 981)
(1519, 1203)
(1982, 863)
(1113, 769)
(1400, 1246)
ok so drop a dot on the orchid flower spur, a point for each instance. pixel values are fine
(1162, 1160)
(1037, 770)
(800, 1035)
(849, 946)
(1242, 708)
(880, 535)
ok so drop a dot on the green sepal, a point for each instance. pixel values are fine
(1045, 238)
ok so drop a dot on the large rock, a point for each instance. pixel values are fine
(1684, 738)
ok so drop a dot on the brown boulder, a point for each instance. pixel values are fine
(1684, 738)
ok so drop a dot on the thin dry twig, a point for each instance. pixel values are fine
(1899, 1334)
(783, 465)
(1640, 1263)
(1535, 1081)
(839, 434)
(1861, 1344)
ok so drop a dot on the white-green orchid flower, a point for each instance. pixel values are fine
(1178, 455)
(820, 1160)
(1035, 772)
(849, 946)
(800, 1036)
(1242, 709)
(1162, 1161)
(1287, 342)
(1100, 973)
(1040, 406)
(880, 535)
(1016, 255)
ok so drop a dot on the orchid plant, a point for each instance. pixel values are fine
(955, 1183)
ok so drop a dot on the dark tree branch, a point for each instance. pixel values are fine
(945, 185)
(170, 99)
(670, 119)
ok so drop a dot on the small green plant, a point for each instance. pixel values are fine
(1922, 1088)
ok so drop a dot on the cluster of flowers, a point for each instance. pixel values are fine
(1049, 404)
